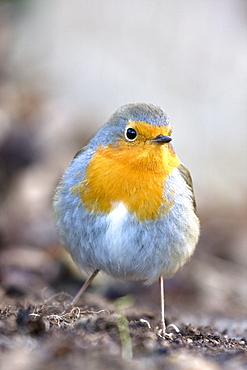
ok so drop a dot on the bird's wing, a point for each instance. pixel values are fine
(187, 178)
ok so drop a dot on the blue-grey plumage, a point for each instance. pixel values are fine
(118, 242)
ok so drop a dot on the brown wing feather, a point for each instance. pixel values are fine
(187, 178)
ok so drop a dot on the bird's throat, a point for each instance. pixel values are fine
(132, 174)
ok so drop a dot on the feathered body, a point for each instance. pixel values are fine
(126, 206)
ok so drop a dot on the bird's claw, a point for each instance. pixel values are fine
(163, 333)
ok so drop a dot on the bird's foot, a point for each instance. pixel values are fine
(162, 332)
(67, 310)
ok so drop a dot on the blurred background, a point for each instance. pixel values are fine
(65, 67)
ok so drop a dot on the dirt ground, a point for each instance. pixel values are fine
(110, 329)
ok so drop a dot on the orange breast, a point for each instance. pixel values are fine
(132, 173)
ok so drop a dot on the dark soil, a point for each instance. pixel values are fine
(111, 334)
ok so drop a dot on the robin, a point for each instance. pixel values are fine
(125, 205)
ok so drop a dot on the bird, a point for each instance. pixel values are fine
(125, 205)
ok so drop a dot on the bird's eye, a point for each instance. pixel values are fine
(131, 134)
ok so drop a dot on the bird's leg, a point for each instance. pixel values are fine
(162, 330)
(81, 291)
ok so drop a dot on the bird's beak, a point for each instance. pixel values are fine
(162, 139)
